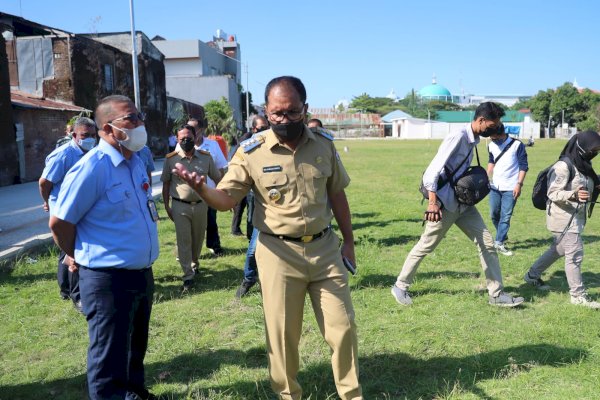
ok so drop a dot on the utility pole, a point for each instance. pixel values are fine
(136, 78)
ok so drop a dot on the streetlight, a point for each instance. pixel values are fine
(245, 65)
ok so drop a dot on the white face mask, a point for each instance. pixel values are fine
(87, 144)
(136, 138)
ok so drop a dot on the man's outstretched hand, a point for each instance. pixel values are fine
(193, 179)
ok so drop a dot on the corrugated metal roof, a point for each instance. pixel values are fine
(467, 116)
(20, 99)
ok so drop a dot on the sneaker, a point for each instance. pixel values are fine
(217, 252)
(64, 296)
(505, 300)
(244, 289)
(401, 296)
(584, 300)
(501, 248)
(537, 282)
(237, 233)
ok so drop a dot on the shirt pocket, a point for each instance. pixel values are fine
(276, 188)
(117, 194)
(316, 181)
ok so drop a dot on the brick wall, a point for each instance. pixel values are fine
(42, 129)
(9, 167)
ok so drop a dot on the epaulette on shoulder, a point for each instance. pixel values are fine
(203, 151)
(323, 132)
(171, 154)
(252, 143)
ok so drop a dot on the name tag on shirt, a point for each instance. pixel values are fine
(273, 168)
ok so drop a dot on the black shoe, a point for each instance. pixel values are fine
(141, 395)
(78, 306)
(218, 252)
(187, 284)
(64, 296)
(237, 233)
(244, 289)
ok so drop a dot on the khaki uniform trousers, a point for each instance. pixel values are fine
(470, 222)
(287, 270)
(190, 228)
(570, 247)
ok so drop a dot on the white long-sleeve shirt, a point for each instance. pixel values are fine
(451, 153)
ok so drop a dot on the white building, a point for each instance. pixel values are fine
(199, 72)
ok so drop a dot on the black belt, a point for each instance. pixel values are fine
(187, 202)
(303, 239)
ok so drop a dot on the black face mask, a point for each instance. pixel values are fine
(187, 144)
(497, 130)
(289, 131)
(264, 128)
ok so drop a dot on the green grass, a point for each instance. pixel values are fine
(449, 345)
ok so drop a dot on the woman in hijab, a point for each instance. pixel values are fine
(573, 188)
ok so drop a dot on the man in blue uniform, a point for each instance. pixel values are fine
(58, 163)
(105, 220)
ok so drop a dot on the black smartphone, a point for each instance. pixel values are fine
(349, 266)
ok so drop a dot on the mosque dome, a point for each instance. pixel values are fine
(435, 91)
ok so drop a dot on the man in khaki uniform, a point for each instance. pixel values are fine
(298, 181)
(188, 211)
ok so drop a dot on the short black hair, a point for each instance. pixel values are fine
(188, 127)
(257, 118)
(317, 120)
(489, 110)
(286, 80)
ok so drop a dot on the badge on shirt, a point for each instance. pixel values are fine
(273, 168)
(274, 194)
(319, 159)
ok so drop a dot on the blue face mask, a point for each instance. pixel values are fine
(87, 144)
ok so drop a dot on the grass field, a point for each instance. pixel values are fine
(449, 345)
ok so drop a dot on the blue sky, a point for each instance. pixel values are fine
(342, 49)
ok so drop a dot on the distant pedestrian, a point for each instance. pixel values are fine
(105, 220)
(187, 211)
(145, 154)
(572, 194)
(507, 167)
(172, 142)
(67, 138)
(443, 210)
(213, 240)
(58, 163)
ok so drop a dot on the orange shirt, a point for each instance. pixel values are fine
(221, 143)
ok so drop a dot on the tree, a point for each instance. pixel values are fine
(219, 117)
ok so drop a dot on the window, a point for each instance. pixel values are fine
(108, 78)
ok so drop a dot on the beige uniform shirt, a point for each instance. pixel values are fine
(201, 162)
(290, 187)
(560, 192)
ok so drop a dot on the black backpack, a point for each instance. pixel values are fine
(539, 195)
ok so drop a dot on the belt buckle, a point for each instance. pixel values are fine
(306, 239)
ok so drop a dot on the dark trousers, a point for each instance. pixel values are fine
(249, 214)
(68, 281)
(213, 241)
(117, 304)
(238, 212)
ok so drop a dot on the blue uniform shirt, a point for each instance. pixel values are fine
(106, 197)
(58, 163)
(146, 155)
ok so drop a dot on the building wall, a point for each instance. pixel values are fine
(42, 129)
(183, 67)
(9, 167)
(202, 89)
(422, 129)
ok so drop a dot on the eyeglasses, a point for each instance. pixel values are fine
(291, 115)
(133, 118)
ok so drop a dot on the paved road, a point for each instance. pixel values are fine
(23, 221)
